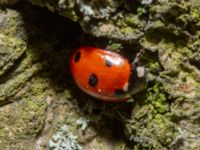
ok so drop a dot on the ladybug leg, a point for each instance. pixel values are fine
(138, 56)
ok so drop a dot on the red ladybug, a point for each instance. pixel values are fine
(106, 75)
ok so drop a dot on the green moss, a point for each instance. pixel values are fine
(71, 14)
(39, 86)
(24, 121)
(163, 130)
(4, 138)
(11, 50)
(64, 7)
(142, 112)
(142, 147)
(114, 46)
(129, 24)
(133, 21)
(33, 110)
(158, 99)
(153, 66)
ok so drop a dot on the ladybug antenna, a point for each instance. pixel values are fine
(138, 56)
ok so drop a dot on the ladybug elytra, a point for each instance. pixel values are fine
(106, 75)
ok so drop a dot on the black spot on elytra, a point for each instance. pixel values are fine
(77, 57)
(93, 80)
(108, 63)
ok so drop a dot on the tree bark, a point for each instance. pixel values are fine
(42, 108)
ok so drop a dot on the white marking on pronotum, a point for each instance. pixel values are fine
(125, 87)
(140, 71)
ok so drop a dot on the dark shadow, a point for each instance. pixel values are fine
(51, 39)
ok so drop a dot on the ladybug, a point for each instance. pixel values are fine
(106, 75)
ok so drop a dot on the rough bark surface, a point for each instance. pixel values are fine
(42, 108)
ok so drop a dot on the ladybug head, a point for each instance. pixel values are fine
(138, 79)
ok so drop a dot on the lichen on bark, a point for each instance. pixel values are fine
(37, 96)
